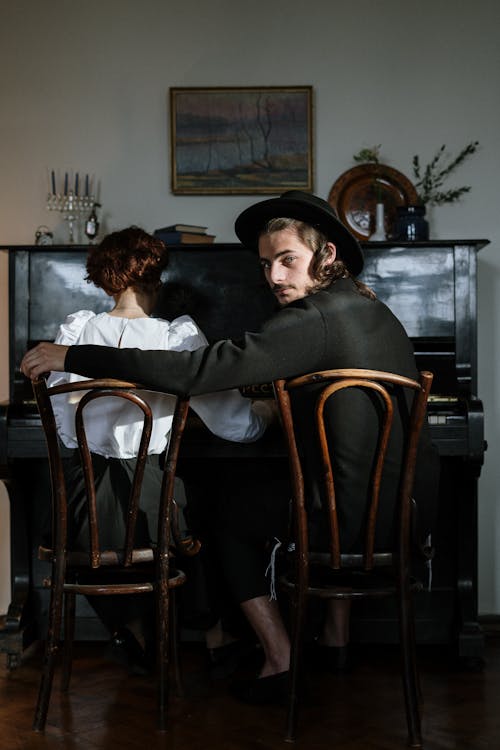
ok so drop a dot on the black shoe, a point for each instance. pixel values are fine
(333, 659)
(225, 660)
(262, 691)
(125, 649)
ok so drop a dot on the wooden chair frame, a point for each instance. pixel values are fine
(158, 574)
(396, 559)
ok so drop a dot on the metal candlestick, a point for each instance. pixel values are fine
(71, 206)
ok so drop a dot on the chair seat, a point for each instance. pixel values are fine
(82, 574)
(107, 558)
(330, 584)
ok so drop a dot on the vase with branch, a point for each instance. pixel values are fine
(429, 181)
(429, 187)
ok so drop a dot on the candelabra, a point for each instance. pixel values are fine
(71, 206)
(69, 203)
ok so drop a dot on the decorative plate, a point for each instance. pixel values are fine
(356, 192)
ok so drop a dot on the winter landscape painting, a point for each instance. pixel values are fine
(241, 140)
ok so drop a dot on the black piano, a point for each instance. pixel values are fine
(430, 286)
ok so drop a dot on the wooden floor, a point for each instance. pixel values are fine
(107, 709)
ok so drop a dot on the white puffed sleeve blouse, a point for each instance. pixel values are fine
(114, 425)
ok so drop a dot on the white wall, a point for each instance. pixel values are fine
(84, 86)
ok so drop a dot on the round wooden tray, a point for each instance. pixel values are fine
(356, 192)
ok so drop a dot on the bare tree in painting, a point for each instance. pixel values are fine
(240, 137)
(259, 133)
(246, 132)
(210, 144)
(239, 145)
(265, 125)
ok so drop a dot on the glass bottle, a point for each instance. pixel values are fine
(92, 224)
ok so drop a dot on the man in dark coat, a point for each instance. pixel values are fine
(327, 320)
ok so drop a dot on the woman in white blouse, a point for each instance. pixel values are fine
(128, 265)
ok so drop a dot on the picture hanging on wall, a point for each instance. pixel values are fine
(241, 140)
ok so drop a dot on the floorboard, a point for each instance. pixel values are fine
(107, 709)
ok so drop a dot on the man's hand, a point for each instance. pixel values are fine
(43, 358)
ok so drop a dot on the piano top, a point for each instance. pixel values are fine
(430, 286)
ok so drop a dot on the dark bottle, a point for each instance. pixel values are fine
(92, 223)
(411, 225)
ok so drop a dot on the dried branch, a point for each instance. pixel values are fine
(430, 179)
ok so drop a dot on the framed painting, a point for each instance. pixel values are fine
(241, 140)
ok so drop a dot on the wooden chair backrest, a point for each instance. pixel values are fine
(98, 389)
(332, 382)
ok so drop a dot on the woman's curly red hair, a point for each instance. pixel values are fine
(128, 258)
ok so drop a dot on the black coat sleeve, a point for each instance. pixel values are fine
(290, 343)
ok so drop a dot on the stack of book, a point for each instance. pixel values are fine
(184, 234)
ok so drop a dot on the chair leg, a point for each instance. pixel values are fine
(413, 642)
(174, 644)
(409, 668)
(163, 644)
(69, 634)
(298, 619)
(51, 648)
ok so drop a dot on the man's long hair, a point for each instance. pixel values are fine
(323, 270)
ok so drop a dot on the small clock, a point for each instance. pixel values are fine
(43, 236)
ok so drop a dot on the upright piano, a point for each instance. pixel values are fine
(430, 286)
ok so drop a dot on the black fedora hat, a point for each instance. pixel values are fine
(295, 204)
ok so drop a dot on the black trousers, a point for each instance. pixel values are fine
(113, 481)
(255, 515)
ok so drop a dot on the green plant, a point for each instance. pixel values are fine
(429, 179)
(368, 154)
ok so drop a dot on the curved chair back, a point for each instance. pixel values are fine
(330, 383)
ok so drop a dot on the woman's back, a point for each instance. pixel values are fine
(115, 429)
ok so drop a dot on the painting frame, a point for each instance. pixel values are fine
(248, 140)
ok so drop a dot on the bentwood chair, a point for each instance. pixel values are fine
(373, 572)
(133, 568)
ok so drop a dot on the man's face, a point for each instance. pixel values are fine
(286, 262)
